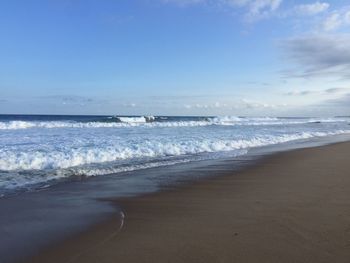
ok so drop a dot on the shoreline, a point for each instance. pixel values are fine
(255, 215)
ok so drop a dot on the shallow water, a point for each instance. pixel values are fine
(58, 212)
(39, 151)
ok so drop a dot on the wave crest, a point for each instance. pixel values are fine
(154, 122)
(68, 157)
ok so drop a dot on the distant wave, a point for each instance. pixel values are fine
(151, 121)
(15, 125)
(142, 119)
(41, 149)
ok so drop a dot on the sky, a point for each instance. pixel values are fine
(175, 57)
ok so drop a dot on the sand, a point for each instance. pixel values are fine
(291, 207)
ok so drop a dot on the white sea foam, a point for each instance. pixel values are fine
(22, 179)
(132, 119)
(70, 157)
(32, 168)
(234, 119)
(15, 125)
(149, 121)
(33, 152)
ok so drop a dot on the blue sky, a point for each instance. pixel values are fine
(175, 57)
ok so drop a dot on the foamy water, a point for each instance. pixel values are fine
(43, 149)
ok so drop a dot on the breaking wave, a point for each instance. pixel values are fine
(43, 149)
(33, 167)
(153, 122)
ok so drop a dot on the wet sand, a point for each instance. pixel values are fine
(290, 207)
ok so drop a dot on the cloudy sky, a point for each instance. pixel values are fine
(175, 57)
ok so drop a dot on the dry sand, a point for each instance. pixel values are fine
(291, 207)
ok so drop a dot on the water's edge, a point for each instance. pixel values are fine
(67, 209)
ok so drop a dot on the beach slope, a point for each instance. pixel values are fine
(290, 207)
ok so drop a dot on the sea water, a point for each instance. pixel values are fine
(38, 151)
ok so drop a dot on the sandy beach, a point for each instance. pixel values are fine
(175, 131)
(290, 207)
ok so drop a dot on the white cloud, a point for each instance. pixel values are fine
(262, 8)
(332, 22)
(336, 90)
(243, 104)
(256, 9)
(337, 19)
(319, 55)
(347, 17)
(300, 92)
(312, 9)
(330, 91)
(253, 9)
(251, 104)
(216, 105)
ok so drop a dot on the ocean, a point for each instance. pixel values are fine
(38, 151)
